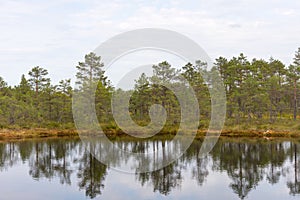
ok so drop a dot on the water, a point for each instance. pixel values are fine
(235, 169)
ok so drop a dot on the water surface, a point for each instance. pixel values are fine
(235, 169)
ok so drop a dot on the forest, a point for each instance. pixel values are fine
(260, 94)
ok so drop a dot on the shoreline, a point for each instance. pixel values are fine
(21, 134)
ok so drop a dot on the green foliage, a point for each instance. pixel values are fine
(38, 78)
(257, 91)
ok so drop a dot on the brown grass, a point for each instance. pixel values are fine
(20, 134)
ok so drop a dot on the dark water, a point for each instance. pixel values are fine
(235, 169)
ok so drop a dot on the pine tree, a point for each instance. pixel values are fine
(64, 101)
(91, 70)
(140, 100)
(294, 75)
(92, 81)
(23, 90)
(38, 79)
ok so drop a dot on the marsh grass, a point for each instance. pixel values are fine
(281, 128)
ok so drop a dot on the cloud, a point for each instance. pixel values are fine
(287, 12)
(56, 34)
(235, 25)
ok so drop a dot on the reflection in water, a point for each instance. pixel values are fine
(294, 185)
(163, 180)
(246, 163)
(91, 174)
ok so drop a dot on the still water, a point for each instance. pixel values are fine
(234, 169)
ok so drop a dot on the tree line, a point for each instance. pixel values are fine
(256, 90)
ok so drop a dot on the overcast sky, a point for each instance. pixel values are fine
(57, 34)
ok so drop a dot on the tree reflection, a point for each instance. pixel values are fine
(25, 150)
(277, 156)
(8, 155)
(51, 159)
(91, 173)
(163, 180)
(294, 185)
(200, 168)
(41, 164)
(242, 167)
(246, 162)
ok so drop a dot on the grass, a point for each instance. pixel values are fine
(19, 134)
(285, 128)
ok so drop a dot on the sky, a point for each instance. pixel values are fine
(57, 34)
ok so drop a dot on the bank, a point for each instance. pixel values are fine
(21, 134)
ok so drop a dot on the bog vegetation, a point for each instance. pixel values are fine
(259, 93)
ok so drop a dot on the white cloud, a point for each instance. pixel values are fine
(57, 34)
